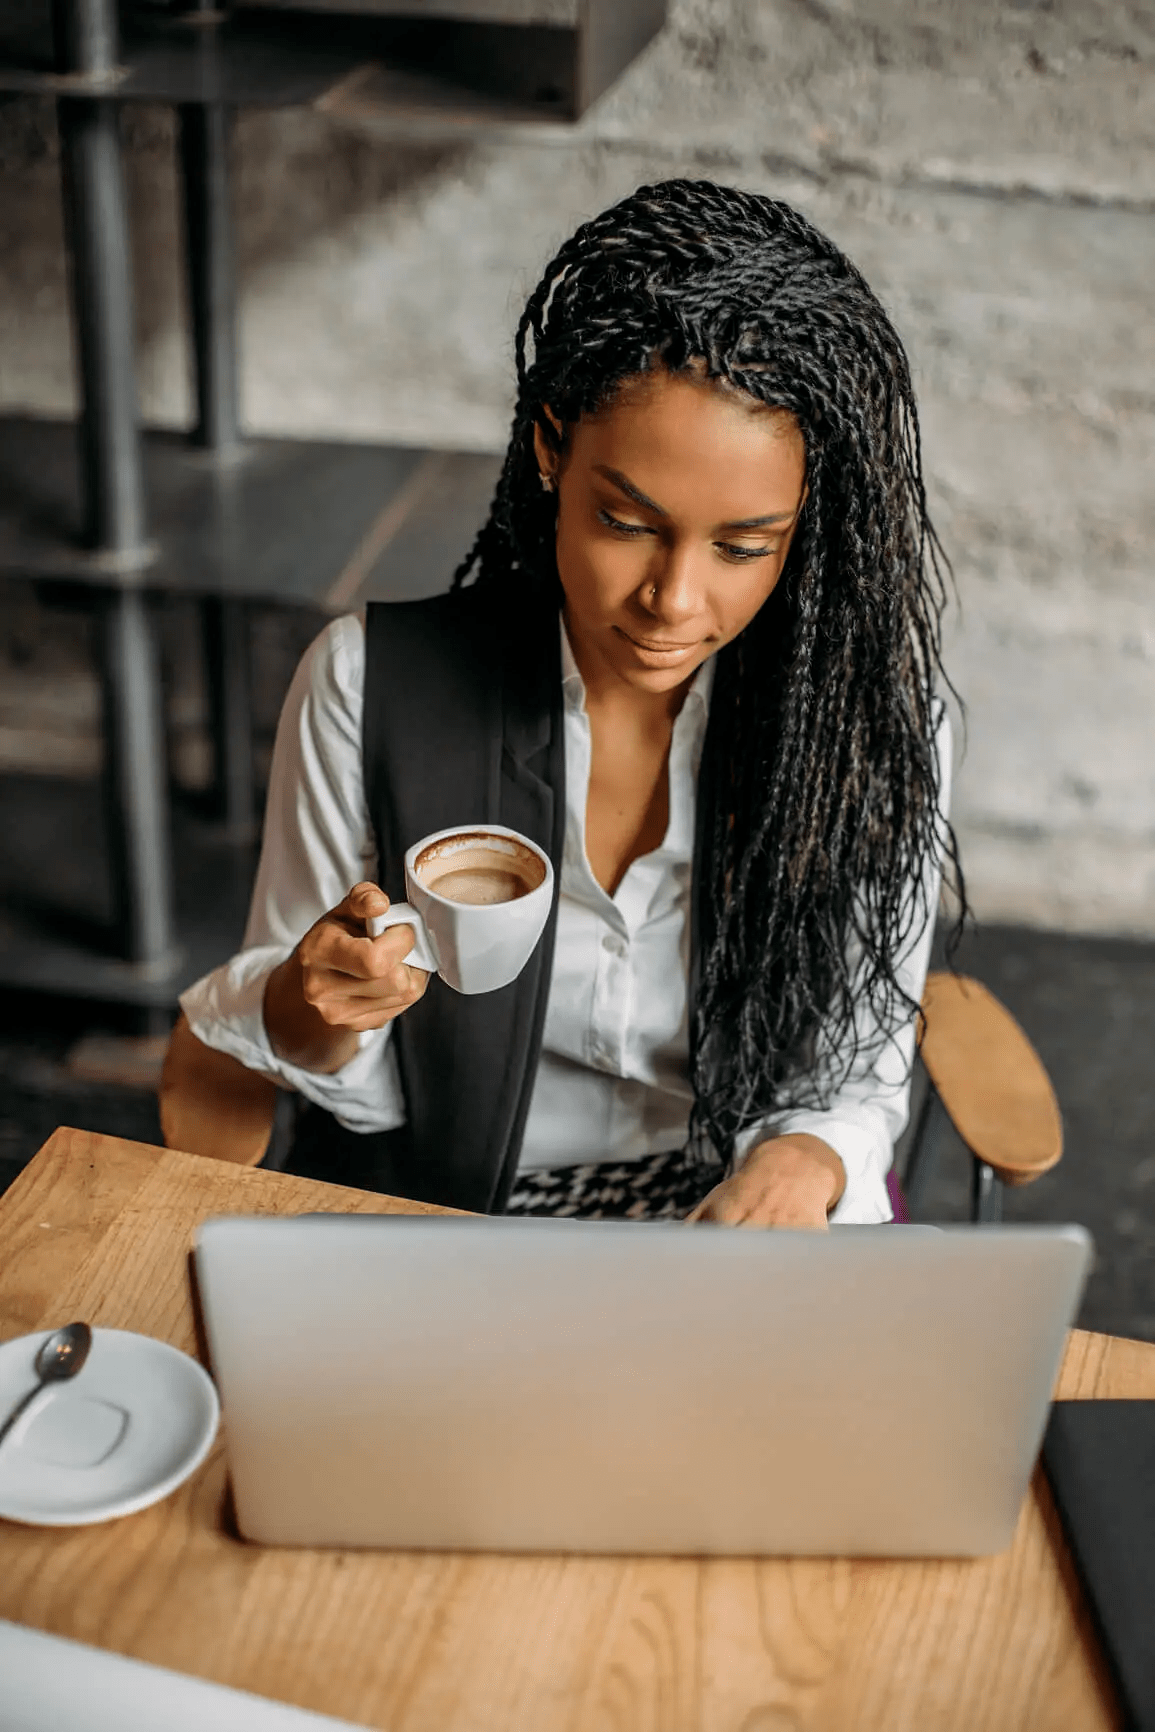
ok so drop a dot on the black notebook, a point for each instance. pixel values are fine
(1100, 1460)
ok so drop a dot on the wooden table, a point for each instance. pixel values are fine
(100, 1228)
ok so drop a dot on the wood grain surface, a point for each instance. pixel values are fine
(101, 1229)
(990, 1079)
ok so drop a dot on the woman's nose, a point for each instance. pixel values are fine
(674, 587)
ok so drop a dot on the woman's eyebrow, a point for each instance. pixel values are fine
(627, 487)
(760, 522)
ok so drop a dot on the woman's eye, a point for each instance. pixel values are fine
(620, 528)
(733, 550)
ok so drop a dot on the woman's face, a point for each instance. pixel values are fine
(676, 509)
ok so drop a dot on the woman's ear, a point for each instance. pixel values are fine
(545, 452)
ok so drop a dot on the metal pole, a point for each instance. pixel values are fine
(135, 772)
(226, 637)
(102, 287)
(97, 228)
(204, 155)
(85, 36)
(986, 1195)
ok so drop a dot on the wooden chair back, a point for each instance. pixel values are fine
(990, 1079)
(211, 1105)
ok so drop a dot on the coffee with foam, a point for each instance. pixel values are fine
(478, 901)
(478, 868)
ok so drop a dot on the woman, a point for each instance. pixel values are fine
(730, 742)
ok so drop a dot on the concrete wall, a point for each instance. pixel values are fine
(991, 168)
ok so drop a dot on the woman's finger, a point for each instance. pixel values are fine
(383, 1012)
(354, 954)
(337, 995)
(329, 990)
(366, 900)
(788, 1214)
(378, 1019)
(723, 1203)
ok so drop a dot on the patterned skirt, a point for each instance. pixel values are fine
(664, 1187)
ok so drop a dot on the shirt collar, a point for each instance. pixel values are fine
(574, 691)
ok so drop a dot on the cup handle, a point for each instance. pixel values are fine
(404, 914)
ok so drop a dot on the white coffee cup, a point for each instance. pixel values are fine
(479, 897)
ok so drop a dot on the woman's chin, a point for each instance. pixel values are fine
(653, 679)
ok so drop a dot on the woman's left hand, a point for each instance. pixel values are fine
(791, 1181)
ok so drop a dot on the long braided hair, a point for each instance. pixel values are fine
(819, 791)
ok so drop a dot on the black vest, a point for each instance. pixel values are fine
(463, 724)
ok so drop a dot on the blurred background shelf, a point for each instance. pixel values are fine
(503, 65)
(190, 58)
(284, 520)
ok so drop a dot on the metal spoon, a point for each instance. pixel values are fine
(59, 1358)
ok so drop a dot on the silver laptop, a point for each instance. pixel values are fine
(522, 1385)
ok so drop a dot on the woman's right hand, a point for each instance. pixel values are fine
(338, 982)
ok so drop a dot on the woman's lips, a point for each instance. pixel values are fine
(658, 648)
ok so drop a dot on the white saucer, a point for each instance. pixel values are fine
(125, 1432)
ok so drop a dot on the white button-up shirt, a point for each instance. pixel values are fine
(613, 1076)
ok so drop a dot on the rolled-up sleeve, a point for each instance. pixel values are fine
(317, 843)
(867, 1113)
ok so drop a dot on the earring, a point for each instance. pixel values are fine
(547, 482)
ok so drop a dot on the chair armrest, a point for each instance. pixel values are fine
(210, 1104)
(990, 1079)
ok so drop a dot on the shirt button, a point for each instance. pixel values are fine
(614, 945)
